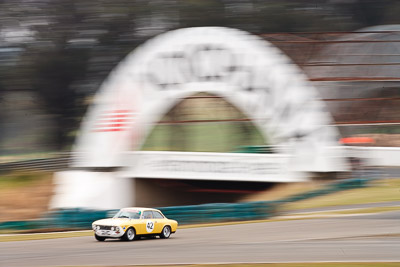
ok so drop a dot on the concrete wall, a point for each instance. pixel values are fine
(92, 190)
(377, 156)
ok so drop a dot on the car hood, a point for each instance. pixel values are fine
(113, 221)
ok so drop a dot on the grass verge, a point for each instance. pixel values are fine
(40, 236)
(380, 191)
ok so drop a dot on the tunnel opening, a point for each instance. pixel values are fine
(200, 123)
(177, 192)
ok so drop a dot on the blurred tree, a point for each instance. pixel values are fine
(54, 79)
(71, 38)
(194, 13)
(370, 12)
(68, 47)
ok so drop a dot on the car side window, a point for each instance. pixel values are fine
(157, 215)
(147, 214)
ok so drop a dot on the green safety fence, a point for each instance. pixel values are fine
(255, 149)
(59, 219)
(76, 218)
(330, 188)
(206, 213)
(218, 212)
(192, 214)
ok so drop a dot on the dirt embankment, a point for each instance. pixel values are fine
(283, 190)
(24, 196)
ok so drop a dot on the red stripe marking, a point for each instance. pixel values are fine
(357, 140)
(110, 130)
(117, 115)
(114, 120)
(112, 124)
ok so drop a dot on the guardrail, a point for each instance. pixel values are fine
(47, 164)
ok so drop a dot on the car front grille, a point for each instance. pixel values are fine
(103, 227)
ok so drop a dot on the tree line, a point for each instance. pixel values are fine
(63, 49)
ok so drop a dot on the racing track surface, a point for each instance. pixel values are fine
(350, 238)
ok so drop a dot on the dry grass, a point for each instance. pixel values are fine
(24, 196)
(380, 191)
(280, 191)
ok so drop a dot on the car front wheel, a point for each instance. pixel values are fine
(99, 238)
(129, 235)
(166, 232)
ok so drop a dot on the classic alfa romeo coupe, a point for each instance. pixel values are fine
(132, 223)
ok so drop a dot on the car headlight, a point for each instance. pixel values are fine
(113, 228)
(94, 227)
(98, 227)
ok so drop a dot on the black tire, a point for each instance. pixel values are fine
(166, 232)
(99, 238)
(129, 235)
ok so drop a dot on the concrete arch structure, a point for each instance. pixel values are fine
(244, 69)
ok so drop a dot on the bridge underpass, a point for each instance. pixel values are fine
(161, 178)
(175, 192)
(264, 89)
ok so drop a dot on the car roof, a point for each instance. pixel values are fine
(139, 208)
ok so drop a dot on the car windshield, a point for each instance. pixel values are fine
(129, 214)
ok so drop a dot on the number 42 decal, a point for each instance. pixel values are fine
(149, 226)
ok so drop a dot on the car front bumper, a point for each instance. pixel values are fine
(109, 233)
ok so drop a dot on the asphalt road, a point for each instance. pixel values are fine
(390, 172)
(349, 238)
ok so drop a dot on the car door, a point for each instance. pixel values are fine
(159, 221)
(148, 222)
(139, 225)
